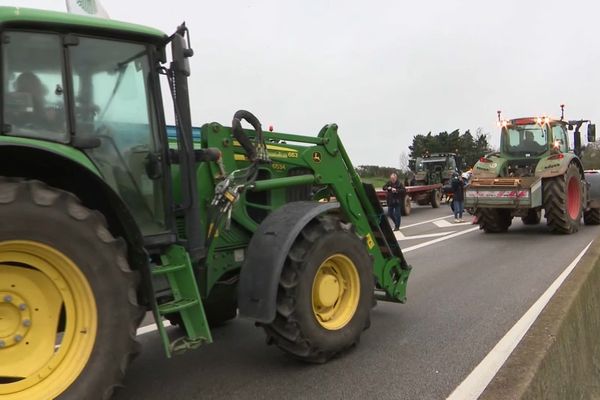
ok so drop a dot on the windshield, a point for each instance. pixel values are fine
(525, 139)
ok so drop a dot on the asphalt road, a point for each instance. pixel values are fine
(466, 290)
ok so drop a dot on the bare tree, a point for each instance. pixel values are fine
(403, 162)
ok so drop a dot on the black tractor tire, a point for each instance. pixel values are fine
(406, 206)
(44, 217)
(493, 220)
(591, 216)
(562, 200)
(436, 198)
(533, 217)
(296, 328)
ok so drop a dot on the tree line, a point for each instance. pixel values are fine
(470, 147)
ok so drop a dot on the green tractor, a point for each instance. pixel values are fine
(436, 168)
(534, 171)
(105, 217)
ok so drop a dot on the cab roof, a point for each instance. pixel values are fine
(534, 120)
(17, 17)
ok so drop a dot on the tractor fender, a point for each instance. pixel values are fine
(73, 172)
(549, 168)
(266, 255)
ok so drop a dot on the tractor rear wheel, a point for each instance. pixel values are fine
(493, 220)
(325, 292)
(533, 217)
(591, 216)
(406, 207)
(67, 297)
(436, 197)
(562, 198)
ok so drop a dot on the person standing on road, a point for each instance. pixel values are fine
(395, 196)
(458, 198)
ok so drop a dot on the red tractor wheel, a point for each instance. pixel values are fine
(563, 201)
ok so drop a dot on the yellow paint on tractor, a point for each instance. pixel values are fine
(43, 352)
(335, 292)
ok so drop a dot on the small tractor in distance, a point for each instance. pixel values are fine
(534, 171)
(436, 168)
(105, 218)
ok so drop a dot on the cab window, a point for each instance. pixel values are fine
(33, 86)
(559, 135)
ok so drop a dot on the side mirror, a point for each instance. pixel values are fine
(181, 54)
(591, 133)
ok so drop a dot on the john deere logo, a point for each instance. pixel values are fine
(317, 157)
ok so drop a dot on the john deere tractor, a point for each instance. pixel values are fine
(104, 217)
(535, 170)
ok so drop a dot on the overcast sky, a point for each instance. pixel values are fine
(382, 70)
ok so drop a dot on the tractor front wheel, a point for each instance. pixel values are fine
(68, 308)
(325, 292)
(562, 198)
(533, 217)
(493, 220)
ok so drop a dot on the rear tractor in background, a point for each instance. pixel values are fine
(431, 175)
(534, 171)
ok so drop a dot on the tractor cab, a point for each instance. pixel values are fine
(532, 137)
(95, 93)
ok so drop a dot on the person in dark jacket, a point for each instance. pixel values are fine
(395, 196)
(458, 198)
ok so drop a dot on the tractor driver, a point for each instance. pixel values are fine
(529, 143)
(37, 114)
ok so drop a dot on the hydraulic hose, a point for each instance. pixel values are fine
(241, 137)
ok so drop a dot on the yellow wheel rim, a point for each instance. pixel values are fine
(335, 292)
(48, 321)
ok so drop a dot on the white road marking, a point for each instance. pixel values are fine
(482, 375)
(151, 328)
(400, 236)
(425, 222)
(445, 224)
(434, 241)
